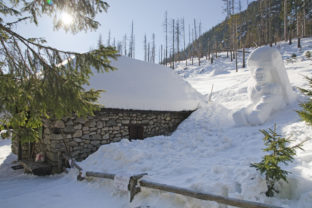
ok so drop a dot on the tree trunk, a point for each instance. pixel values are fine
(244, 63)
(20, 150)
(285, 20)
(231, 56)
(304, 19)
(290, 41)
(173, 43)
(236, 62)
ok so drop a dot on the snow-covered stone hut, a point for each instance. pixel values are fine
(140, 100)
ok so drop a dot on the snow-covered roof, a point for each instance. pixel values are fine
(140, 85)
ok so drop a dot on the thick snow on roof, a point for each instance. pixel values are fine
(143, 86)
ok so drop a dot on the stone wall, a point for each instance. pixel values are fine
(83, 136)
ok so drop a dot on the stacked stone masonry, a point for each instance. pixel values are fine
(82, 136)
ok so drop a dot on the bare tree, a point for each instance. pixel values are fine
(161, 54)
(166, 36)
(199, 44)
(119, 47)
(195, 46)
(173, 40)
(125, 45)
(190, 54)
(148, 52)
(109, 38)
(183, 31)
(285, 20)
(227, 8)
(145, 48)
(153, 48)
(131, 44)
(178, 33)
(100, 42)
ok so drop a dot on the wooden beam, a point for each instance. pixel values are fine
(187, 192)
(100, 175)
(205, 196)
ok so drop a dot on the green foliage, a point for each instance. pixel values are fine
(278, 152)
(35, 82)
(293, 55)
(308, 54)
(306, 112)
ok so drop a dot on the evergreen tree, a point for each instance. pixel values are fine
(306, 112)
(34, 85)
(279, 152)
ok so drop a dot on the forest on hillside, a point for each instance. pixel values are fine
(264, 22)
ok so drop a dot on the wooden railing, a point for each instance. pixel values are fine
(135, 184)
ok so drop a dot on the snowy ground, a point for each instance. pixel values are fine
(207, 153)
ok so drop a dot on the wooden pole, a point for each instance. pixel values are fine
(101, 175)
(186, 192)
(204, 196)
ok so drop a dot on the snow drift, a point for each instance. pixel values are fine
(269, 89)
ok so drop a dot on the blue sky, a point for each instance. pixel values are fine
(147, 15)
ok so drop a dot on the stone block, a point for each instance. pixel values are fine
(57, 137)
(68, 136)
(92, 123)
(78, 133)
(125, 121)
(81, 120)
(59, 124)
(95, 142)
(69, 123)
(85, 137)
(111, 123)
(105, 137)
(95, 137)
(78, 127)
(99, 124)
(78, 140)
(73, 144)
(51, 156)
(69, 129)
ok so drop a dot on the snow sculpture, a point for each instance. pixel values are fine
(269, 89)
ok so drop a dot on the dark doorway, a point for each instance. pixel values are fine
(136, 132)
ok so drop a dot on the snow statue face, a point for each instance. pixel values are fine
(269, 89)
(262, 76)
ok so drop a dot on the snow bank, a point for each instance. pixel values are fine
(144, 86)
(269, 89)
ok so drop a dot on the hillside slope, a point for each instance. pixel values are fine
(259, 24)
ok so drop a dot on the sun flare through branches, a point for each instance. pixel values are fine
(66, 18)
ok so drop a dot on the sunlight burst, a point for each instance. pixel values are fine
(67, 19)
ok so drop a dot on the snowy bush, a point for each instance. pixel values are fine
(278, 151)
(308, 54)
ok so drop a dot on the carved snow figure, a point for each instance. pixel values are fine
(269, 89)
